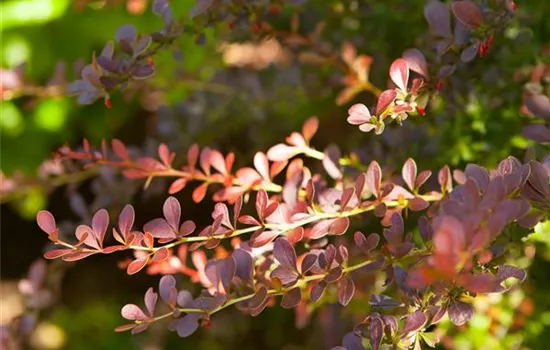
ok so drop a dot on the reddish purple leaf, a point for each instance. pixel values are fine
(331, 161)
(346, 289)
(258, 299)
(460, 312)
(317, 291)
(399, 73)
(376, 330)
(100, 222)
(284, 253)
(262, 237)
(172, 211)
(468, 13)
(418, 204)
(187, 228)
(159, 228)
(385, 99)
(308, 262)
(537, 132)
(422, 178)
(120, 149)
(167, 285)
(414, 322)
(126, 219)
(437, 16)
(46, 221)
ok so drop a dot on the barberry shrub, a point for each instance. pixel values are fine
(290, 228)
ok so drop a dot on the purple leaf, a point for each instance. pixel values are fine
(187, 325)
(308, 262)
(538, 105)
(166, 285)
(159, 228)
(414, 322)
(317, 291)
(383, 302)
(244, 266)
(285, 254)
(172, 212)
(126, 33)
(201, 7)
(352, 341)
(537, 132)
(346, 289)
(151, 301)
(376, 331)
(437, 16)
(292, 298)
(460, 312)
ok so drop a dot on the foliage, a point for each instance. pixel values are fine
(398, 227)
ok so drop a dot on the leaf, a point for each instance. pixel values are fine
(418, 204)
(537, 132)
(331, 161)
(310, 128)
(376, 330)
(46, 221)
(414, 322)
(126, 32)
(177, 185)
(469, 53)
(172, 211)
(291, 298)
(261, 164)
(416, 61)
(383, 302)
(133, 312)
(339, 226)
(282, 152)
(244, 266)
(120, 149)
(187, 325)
(308, 262)
(437, 16)
(399, 74)
(201, 7)
(284, 253)
(460, 312)
(346, 289)
(409, 173)
(538, 105)
(100, 222)
(151, 301)
(137, 265)
(159, 228)
(385, 99)
(126, 219)
(468, 13)
(374, 178)
(166, 285)
(317, 291)
(358, 114)
(200, 192)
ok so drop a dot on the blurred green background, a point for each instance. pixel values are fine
(201, 98)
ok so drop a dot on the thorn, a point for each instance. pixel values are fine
(151, 62)
(108, 103)
(421, 111)
(514, 5)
